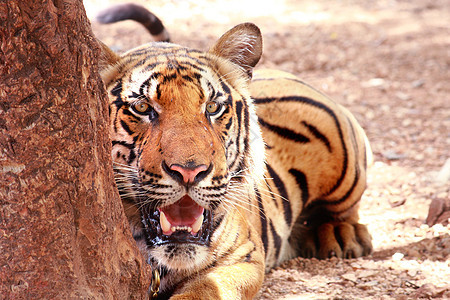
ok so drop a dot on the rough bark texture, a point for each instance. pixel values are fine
(63, 233)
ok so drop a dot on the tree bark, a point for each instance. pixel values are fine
(63, 233)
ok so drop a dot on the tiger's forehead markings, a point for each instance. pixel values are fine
(161, 54)
(170, 74)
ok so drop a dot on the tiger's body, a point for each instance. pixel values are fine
(223, 177)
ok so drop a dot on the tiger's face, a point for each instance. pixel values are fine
(181, 126)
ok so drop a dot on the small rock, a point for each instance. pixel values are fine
(402, 96)
(439, 212)
(397, 256)
(375, 82)
(349, 277)
(428, 290)
(393, 155)
(372, 283)
(20, 287)
(366, 273)
(369, 285)
(418, 83)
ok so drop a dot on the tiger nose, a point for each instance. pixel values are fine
(187, 174)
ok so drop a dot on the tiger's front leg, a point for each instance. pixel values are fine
(226, 282)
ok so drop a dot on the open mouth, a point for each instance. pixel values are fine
(182, 222)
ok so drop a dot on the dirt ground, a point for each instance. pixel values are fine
(388, 62)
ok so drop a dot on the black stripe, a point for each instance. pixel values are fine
(216, 196)
(156, 185)
(227, 91)
(211, 90)
(145, 84)
(194, 65)
(282, 189)
(302, 183)
(131, 157)
(148, 53)
(130, 114)
(216, 222)
(343, 198)
(285, 132)
(356, 166)
(276, 240)
(215, 188)
(356, 150)
(138, 64)
(134, 95)
(126, 128)
(189, 78)
(158, 91)
(151, 66)
(318, 135)
(350, 191)
(125, 144)
(272, 194)
(248, 256)
(167, 78)
(116, 92)
(225, 87)
(213, 204)
(228, 125)
(118, 102)
(262, 216)
(246, 134)
(329, 111)
(173, 64)
(238, 132)
(195, 61)
(355, 179)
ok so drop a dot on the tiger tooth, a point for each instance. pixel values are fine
(165, 224)
(197, 225)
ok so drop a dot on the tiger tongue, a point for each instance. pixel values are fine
(183, 213)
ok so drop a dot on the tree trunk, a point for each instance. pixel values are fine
(63, 233)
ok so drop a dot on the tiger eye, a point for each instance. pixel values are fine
(141, 107)
(212, 107)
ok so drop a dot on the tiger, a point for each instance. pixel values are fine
(225, 171)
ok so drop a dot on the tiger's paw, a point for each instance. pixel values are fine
(335, 239)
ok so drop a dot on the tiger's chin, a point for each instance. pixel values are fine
(180, 257)
(178, 236)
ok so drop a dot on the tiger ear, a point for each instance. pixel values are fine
(106, 61)
(241, 45)
(107, 56)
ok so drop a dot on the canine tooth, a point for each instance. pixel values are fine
(197, 225)
(165, 224)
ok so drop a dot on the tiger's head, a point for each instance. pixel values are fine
(185, 140)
